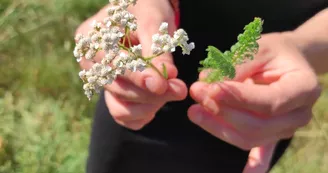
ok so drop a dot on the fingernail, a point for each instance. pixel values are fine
(150, 83)
(254, 162)
(174, 86)
(210, 105)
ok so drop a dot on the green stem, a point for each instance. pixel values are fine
(128, 36)
(124, 40)
(152, 66)
(122, 46)
(154, 56)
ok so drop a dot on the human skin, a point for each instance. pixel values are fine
(134, 99)
(271, 96)
(132, 104)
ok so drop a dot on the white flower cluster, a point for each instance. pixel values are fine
(163, 42)
(107, 36)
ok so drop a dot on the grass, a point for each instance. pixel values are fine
(45, 118)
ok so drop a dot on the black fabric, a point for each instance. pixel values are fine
(171, 143)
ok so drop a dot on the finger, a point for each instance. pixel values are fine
(150, 79)
(216, 127)
(256, 125)
(127, 91)
(203, 74)
(253, 123)
(85, 64)
(274, 99)
(259, 159)
(221, 129)
(127, 111)
(251, 67)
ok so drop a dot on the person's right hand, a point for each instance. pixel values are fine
(134, 99)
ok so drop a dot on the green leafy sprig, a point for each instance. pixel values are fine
(222, 65)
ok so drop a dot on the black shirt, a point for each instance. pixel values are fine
(171, 143)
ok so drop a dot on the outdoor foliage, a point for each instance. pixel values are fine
(45, 118)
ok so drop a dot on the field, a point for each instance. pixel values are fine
(44, 116)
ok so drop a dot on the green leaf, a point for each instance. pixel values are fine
(222, 65)
(164, 71)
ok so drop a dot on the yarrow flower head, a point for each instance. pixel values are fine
(111, 35)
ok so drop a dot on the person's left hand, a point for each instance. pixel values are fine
(268, 100)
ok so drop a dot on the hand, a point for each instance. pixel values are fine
(134, 99)
(269, 99)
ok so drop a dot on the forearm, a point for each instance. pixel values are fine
(312, 38)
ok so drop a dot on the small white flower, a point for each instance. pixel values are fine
(108, 24)
(90, 54)
(79, 59)
(133, 2)
(124, 22)
(166, 48)
(120, 71)
(76, 53)
(92, 79)
(109, 57)
(187, 48)
(78, 37)
(111, 10)
(117, 17)
(104, 30)
(115, 49)
(163, 28)
(124, 5)
(114, 2)
(95, 37)
(82, 74)
(156, 38)
(155, 49)
(141, 65)
(96, 25)
(137, 49)
(132, 26)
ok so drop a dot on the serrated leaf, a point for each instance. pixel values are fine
(222, 65)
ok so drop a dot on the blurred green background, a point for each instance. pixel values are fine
(45, 118)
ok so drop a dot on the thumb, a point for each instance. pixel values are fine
(259, 159)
